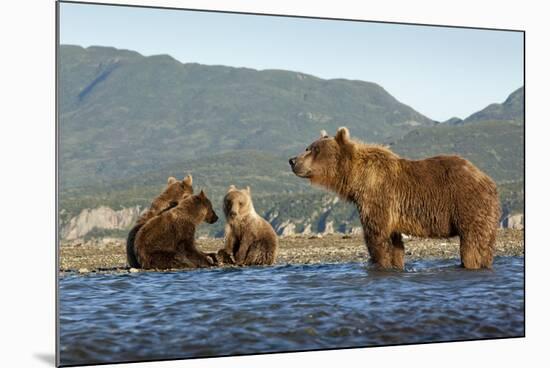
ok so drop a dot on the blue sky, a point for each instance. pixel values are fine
(440, 72)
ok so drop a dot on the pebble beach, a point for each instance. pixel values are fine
(109, 254)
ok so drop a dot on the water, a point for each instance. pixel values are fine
(128, 317)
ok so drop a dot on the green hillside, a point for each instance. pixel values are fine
(495, 147)
(265, 173)
(278, 194)
(122, 114)
(127, 122)
(281, 197)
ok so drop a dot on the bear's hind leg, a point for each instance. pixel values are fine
(477, 228)
(162, 261)
(476, 249)
(469, 255)
(259, 253)
(242, 252)
(199, 259)
(253, 256)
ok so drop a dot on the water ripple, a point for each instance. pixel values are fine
(125, 317)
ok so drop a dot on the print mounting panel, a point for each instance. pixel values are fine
(201, 213)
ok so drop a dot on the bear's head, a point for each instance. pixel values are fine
(237, 203)
(321, 159)
(205, 207)
(174, 192)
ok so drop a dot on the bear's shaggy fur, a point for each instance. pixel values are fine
(168, 240)
(441, 196)
(249, 239)
(174, 192)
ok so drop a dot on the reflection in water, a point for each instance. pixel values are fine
(127, 317)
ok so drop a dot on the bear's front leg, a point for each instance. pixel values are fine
(224, 257)
(200, 259)
(214, 257)
(380, 250)
(244, 245)
(230, 240)
(226, 254)
(378, 236)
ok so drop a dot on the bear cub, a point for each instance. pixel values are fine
(249, 239)
(168, 240)
(174, 192)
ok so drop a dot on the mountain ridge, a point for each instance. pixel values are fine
(510, 110)
(106, 111)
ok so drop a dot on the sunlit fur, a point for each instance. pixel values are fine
(168, 240)
(249, 239)
(441, 196)
(174, 192)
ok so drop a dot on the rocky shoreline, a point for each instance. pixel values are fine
(109, 255)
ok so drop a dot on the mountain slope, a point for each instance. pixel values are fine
(122, 113)
(511, 110)
(278, 194)
(493, 139)
(127, 122)
(495, 147)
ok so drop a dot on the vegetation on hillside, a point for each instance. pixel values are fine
(122, 114)
(496, 147)
(127, 122)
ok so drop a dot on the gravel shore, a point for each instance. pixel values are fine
(109, 255)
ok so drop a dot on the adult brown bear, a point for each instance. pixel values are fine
(441, 196)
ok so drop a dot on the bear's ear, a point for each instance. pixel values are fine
(202, 194)
(324, 134)
(188, 180)
(342, 135)
(172, 180)
(231, 188)
(248, 189)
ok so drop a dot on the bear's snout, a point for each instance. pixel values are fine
(213, 218)
(232, 214)
(292, 162)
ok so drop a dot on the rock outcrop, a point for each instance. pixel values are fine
(99, 218)
(287, 228)
(513, 221)
(319, 222)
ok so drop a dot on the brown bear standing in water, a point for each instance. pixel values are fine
(168, 240)
(249, 239)
(169, 198)
(441, 196)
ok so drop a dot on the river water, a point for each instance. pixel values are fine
(214, 312)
